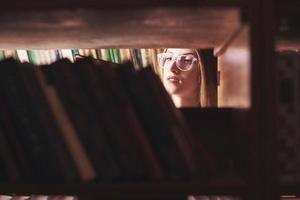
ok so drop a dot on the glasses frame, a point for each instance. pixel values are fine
(175, 58)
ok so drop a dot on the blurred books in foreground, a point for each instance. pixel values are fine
(93, 121)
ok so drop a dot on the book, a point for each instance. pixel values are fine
(57, 143)
(7, 160)
(11, 54)
(133, 139)
(129, 164)
(67, 53)
(81, 113)
(197, 160)
(29, 129)
(23, 56)
(154, 124)
(2, 56)
(125, 55)
(33, 57)
(106, 55)
(10, 133)
(117, 56)
(66, 127)
(52, 56)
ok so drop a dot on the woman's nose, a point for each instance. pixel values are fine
(173, 67)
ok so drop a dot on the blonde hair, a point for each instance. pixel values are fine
(204, 97)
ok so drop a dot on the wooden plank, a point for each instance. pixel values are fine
(103, 4)
(133, 190)
(193, 27)
(235, 72)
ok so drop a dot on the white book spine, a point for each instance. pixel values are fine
(67, 53)
(23, 56)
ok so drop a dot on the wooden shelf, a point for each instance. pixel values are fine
(288, 28)
(150, 26)
(291, 43)
(289, 189)
(134, 190)
(287, 6)
(120, 5)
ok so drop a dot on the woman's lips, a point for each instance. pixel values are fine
(173, 79)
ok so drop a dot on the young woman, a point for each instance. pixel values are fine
(184, 77)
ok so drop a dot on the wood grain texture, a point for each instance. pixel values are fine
(120, 5)
(234, 67)
(135, 28)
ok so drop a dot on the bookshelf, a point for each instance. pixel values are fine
(100, 24)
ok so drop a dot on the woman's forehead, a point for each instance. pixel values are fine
(181, 51)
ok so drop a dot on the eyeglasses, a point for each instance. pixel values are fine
(183, 62)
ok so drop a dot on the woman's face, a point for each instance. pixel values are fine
(177, 81)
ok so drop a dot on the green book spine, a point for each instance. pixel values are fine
(106, 55)
(112, 56)
(2, 55)
(75, 52)
(33, 57)
(117, 55)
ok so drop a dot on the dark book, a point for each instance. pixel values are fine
(196, 158)
(130, 127)
(130, 123)
(153, 122)
(7, 160)
(32, 87)
(100, 96)
(66, 128)
(29, 129)
(76, 103)
(9, 132)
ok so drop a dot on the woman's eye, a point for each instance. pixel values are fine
(187, 61)
(168, 58)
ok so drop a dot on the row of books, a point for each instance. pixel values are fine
(139, 57)
(92, 121)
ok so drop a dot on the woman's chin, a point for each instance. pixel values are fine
(173, 89)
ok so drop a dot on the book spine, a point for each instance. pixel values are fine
(99, 54)
(11, 54)
(28, 129)
(153, 122)
(67, 53)
(23, 56)
(6, 157)
(47, 120)
(106, 54)
(69, 133)
(74, 96)
(105, 160)
(136, 134)
(2, 55)
(10, 131)
(125, 55)
(32, 56)
(117, 56)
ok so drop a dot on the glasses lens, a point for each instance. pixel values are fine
(163, 58)
(185, 62)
